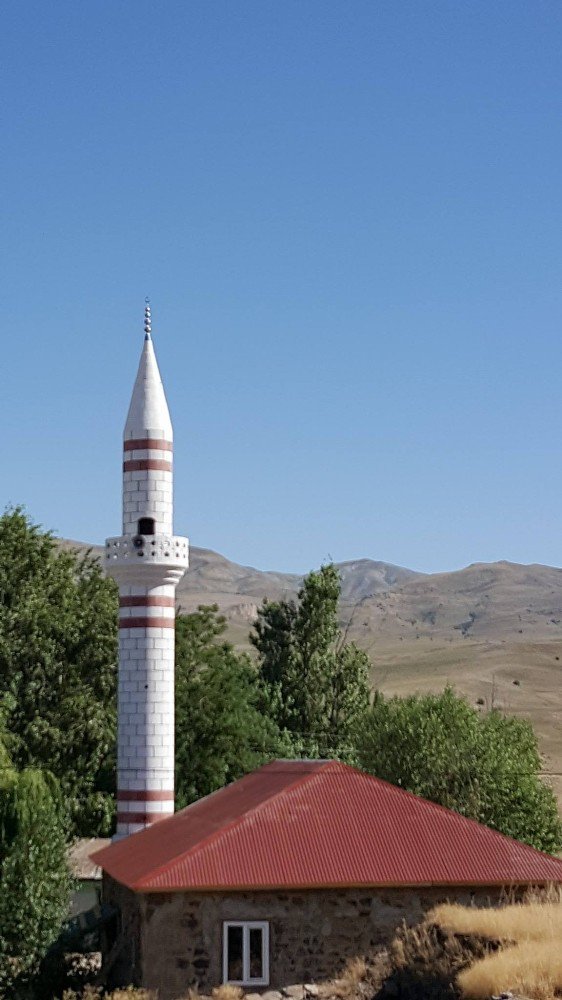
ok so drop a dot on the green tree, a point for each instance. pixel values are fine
(317, 685)
(485, 766)
(221, 730)
(36, 883)
(5, 759)
(58, 654)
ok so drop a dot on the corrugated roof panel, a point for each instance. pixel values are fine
(312, 824)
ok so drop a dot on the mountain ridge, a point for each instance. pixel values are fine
(209, 568)
(491, 630)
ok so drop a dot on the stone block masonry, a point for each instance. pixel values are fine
(178, 936)
(147, 483)
(145, 707)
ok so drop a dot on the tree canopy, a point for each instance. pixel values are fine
(34, 875)
(317, 685)
(222, 732)
(485, 766)
(307, 694)
(58, 655)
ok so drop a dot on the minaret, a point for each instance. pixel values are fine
(147, 561)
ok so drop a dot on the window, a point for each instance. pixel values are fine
(245, 953)
(146, 526)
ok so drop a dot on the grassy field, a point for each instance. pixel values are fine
(521, 678)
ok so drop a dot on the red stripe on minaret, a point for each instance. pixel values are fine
(144, 444)
(141, 817)
(147, 623)
(145, 601)
(145, 796)
(140, 464)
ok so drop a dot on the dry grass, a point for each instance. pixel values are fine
(531, 968)
(88, 992)
(95, 993)
(518, 922)
(131, 993)
(354, 971)
(420, 963)
(425, 959)
(228, 992)
(429, 951)
(530, 961)
(346, 986)
(413, 946)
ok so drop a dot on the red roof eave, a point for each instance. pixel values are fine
(298, 887)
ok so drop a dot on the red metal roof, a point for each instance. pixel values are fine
(314, 824)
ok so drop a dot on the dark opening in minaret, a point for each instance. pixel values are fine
(146, 526)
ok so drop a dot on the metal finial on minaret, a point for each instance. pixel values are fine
(147, 319)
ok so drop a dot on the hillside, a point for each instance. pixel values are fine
(239, 589)
(493, 630)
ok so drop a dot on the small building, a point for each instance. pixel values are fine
(87, 875)
(283, 875)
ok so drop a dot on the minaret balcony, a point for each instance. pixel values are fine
(156, 559)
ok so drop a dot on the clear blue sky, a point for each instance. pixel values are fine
(348, 217)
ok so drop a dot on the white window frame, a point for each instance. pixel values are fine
(247, 926)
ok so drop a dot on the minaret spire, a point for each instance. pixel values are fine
(147, 319)
(148, 415)
(147, 561)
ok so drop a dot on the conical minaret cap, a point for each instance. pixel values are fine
(148, 414)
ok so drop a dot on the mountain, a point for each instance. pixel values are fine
(212, 578)
(492, 630)
(485, 601)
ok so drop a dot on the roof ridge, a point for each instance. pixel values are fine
(205, 841)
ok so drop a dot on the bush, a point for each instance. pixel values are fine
(486, 767)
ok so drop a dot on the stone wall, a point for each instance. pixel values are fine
(121, 938)
(312, 933)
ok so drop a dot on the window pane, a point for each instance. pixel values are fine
(235, 951)
(256, 953)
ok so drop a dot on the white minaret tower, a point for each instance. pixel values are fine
(147, 561)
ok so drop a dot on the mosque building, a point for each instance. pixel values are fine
(279, 878)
